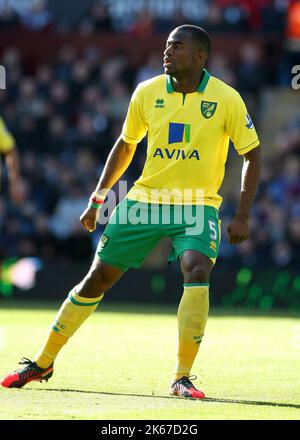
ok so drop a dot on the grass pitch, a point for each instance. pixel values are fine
(119, 364)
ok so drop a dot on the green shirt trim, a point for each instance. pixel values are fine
(201, 87)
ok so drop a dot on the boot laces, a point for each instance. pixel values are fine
(186, 380)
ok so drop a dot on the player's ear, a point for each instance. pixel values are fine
(201, 56)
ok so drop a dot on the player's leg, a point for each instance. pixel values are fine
(100, 278)
(197, 249)
(192, 316)
(81, 302)
(121, 246)
(193, 309)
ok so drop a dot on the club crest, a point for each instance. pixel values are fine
(208, 108)
(103, 241)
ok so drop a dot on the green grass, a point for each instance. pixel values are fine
(119, 364)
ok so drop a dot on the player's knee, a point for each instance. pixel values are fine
(197, 275)
(95, 279)
(195, 272)
(195, 267)
(93, 284)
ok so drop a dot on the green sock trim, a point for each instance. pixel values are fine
(78, 303)
(55, 329)
(196, 284)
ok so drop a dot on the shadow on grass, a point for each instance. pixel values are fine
(207, 399)
(145, 308)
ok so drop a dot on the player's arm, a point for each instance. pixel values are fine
(241, 131)
(13, 165)
(11, 156)
(117, 163)
(134, 130)
(239, 229)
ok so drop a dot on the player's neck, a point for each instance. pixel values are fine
(188, 84)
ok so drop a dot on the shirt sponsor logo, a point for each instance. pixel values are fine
(179, 133)
(165, 153)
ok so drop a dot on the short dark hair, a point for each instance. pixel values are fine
(198, 34)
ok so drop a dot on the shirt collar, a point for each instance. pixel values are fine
(201, 87)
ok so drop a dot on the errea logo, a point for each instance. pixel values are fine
(159, 103)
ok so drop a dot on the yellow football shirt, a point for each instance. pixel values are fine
(7, 142)
(188, 139)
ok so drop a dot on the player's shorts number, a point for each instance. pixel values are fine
(213, 229)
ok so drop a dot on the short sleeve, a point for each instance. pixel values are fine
(135, 126)
(7, 142)
(239, 126)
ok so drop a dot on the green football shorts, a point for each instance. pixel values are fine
(135, 228)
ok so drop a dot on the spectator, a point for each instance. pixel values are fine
(250, 70)
(66, 58)
(29, 103)
(152, 68)
(282, 255)
(56, 140)
(143, 26)
(119, 100)
(9, 19)
(69, 208)
(219, 67)
(98, 20)
(38, 17)
(59, 94)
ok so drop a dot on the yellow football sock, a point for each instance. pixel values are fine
(192, 316)
(50, 350)
(73, 312)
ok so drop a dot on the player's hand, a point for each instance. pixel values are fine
(89, 218)
(238, 230)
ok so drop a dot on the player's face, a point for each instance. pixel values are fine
(182, 54)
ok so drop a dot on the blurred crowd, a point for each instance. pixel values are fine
(275, 224)
(145, 18)
(66, 115)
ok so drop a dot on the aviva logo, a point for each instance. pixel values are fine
(179, 133)
(165, 153)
